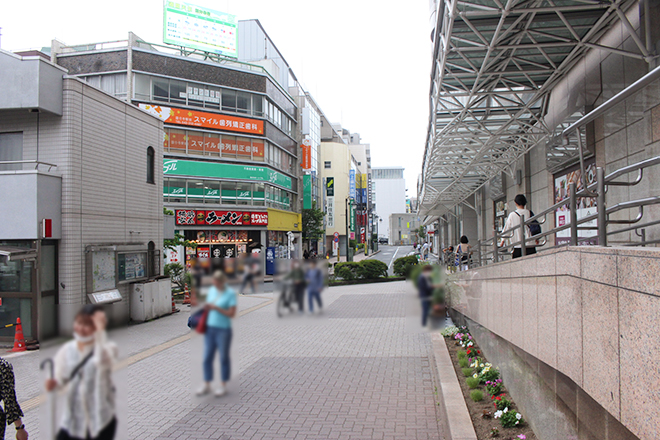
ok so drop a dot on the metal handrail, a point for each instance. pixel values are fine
(602, 215)
(36, 162)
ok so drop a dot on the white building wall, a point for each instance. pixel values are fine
(389, 198)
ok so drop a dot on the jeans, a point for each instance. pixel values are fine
(217, 339)
(313, 294)
(426, 308)
(249, 278)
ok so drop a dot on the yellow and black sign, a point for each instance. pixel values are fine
(330, 186)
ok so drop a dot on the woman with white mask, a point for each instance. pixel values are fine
(84, 367)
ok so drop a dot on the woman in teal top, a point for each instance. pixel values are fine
(221, 306)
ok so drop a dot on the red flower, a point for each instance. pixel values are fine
(478, 352)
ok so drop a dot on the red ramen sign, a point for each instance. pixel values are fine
(191, 217)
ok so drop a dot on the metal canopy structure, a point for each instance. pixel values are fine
(495, 63)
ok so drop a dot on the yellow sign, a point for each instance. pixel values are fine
(279, 220)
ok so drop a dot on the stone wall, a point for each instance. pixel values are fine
(591, 314)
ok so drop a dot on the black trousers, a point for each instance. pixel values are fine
(299, 291)
(108, 433)
(517, 252)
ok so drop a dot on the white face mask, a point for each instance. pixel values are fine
(83, 339)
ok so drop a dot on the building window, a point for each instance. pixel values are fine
(11, 149)
(328, 164)
(150, 165)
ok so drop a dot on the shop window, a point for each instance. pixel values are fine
(176, 191)
(195, 191)
(258, 196)
(229, 146)
(213, 100)
(257, 105)
(258, 150)
(212, 144)
(195, 142)
(211, 192)
(161, 89)
(243, 103)
(151, 165)
(228, 193)
(177, 91)
(142, 87)
(244, 194)
(177, 140)
(228, 100)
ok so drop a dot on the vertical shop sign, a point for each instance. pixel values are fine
(351, 184)
(330, 186)
(330, 211)
(307, 191)
(306, 155)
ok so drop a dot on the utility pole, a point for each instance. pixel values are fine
(347, 233)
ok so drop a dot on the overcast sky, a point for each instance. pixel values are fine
(365, 62)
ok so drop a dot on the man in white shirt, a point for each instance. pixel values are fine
(425, 251)
(513, 221)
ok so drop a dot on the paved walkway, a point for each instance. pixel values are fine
(361, 370)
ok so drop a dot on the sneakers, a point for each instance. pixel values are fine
(204, 389)
(220, 391)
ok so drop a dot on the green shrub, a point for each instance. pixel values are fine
(463, 363)
(347, 271)
(403, 266)
(472, 382)
(477, 395)
(372, 269)
(461, 354)
(467, 371)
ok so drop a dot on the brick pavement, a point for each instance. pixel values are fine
(355, 372)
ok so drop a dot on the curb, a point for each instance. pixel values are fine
(458, 419)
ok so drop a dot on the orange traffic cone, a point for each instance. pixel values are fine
(19, 339)
(186, 295)
(174, 309)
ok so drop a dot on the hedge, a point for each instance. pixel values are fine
(363, 270)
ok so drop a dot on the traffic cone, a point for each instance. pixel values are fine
(174, 309)
(186, 295)
(19, 339)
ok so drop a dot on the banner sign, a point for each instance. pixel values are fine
(191, 217)
(194, 118)
(351, 184)
(330, 186)
(225, 170)
(352, 217)
(307, 191)
(330, 211)
(306, 163)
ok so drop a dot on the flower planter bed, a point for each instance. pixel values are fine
(488, 421)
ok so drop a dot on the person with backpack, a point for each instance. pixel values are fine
(463, 253)
(513, 223)
(84, 367)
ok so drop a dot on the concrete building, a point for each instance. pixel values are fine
(231, 142)
(80, 207)
(545, 115)
(404, 229)
(389, 196)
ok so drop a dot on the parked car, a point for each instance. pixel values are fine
(382, 240)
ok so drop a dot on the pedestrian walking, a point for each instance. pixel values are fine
(12, 410)
(221, 307)
(306, 254)
(297, 277)
(83, 367)
(315, 282)
(463, 253)
(250, 270)
(513, 223)
(425, 287)
(425, 251)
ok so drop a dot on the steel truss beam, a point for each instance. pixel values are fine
(495, 63)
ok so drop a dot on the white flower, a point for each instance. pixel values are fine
(518, 416)
(475, 375)
(498, 414)
(470, 344)
(482, 365)
(506, 410)
(517, 421)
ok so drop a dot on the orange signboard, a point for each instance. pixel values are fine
(194, 118)
(306, 163)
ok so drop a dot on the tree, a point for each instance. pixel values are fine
(312, 223)
(178, 240)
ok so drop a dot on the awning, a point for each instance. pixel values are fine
(16, 253)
